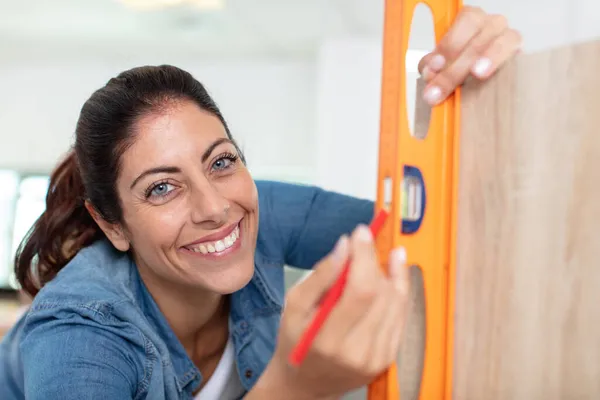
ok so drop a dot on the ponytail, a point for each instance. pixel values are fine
(64, 228)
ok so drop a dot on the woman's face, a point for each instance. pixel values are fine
(190, 206)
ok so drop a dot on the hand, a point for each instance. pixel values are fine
(477, 44)
(363, 333)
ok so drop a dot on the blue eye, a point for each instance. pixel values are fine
(224, 162)
(160, 190)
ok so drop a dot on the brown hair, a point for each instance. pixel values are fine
(90, 170)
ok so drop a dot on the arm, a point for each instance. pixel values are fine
(309, 220)
(71, 359)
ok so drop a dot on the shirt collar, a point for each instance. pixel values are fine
(255, 299)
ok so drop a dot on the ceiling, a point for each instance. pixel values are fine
(272, 28)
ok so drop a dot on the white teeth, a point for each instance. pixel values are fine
(219, 245)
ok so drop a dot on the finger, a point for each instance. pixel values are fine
(369, 342)
(498, 52)
(468, 23)
(360, 290)
(457, 71)
(389, 336)
(399, 272)
(424, 61)
(471, 59)
(360, 348)
(307, 294)
(480, 63)
(364, 271)
(429, 64)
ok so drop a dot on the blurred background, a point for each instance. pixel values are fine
(298, 81)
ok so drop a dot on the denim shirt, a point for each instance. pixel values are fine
(94, 332)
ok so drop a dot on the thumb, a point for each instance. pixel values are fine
(324, 275)
(399, 271)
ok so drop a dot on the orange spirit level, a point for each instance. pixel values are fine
(426, 170)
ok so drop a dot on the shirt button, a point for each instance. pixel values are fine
(248, 373)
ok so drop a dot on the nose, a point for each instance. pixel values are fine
(208, 206)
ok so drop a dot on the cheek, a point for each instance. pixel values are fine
(241, 189)
(154, 226)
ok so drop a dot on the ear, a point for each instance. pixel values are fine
(114, 232)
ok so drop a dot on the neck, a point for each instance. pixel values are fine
(194, 315)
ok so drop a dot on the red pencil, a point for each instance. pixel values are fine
(332, 296)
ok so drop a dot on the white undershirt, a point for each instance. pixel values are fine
(225, 383)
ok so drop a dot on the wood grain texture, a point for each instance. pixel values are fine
(527, 318)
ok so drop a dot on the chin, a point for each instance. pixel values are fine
(228, 281)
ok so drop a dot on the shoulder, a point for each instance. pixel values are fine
(97, 290)
(98, 287)
(85, 322)
(97, 274)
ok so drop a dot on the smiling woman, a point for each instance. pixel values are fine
(157, 265)
(151, 269)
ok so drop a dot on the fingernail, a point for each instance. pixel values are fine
(433, 95)
(363, 233)
(339, 251)
(398, 267)
(437, 62)
(481, 67)
(399, 255)
(397, 260)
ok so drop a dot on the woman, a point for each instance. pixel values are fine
(160, 278)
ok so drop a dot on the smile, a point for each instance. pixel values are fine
(217, 247)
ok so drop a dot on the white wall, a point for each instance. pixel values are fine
(269, 105)
(315, 120)
(348, 87)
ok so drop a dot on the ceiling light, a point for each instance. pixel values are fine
(207, 4)
(162, 4)
(151, 4)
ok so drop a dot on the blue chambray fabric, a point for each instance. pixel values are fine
(95, 332)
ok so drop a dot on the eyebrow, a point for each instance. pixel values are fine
(173, 170)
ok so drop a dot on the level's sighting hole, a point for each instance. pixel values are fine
(421, 42)
(412, 353)
(412, 198)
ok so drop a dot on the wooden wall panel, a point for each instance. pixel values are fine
(527, 318)
(527, 321)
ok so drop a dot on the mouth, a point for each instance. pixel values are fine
(217, 247)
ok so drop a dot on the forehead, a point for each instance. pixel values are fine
(182, 131)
